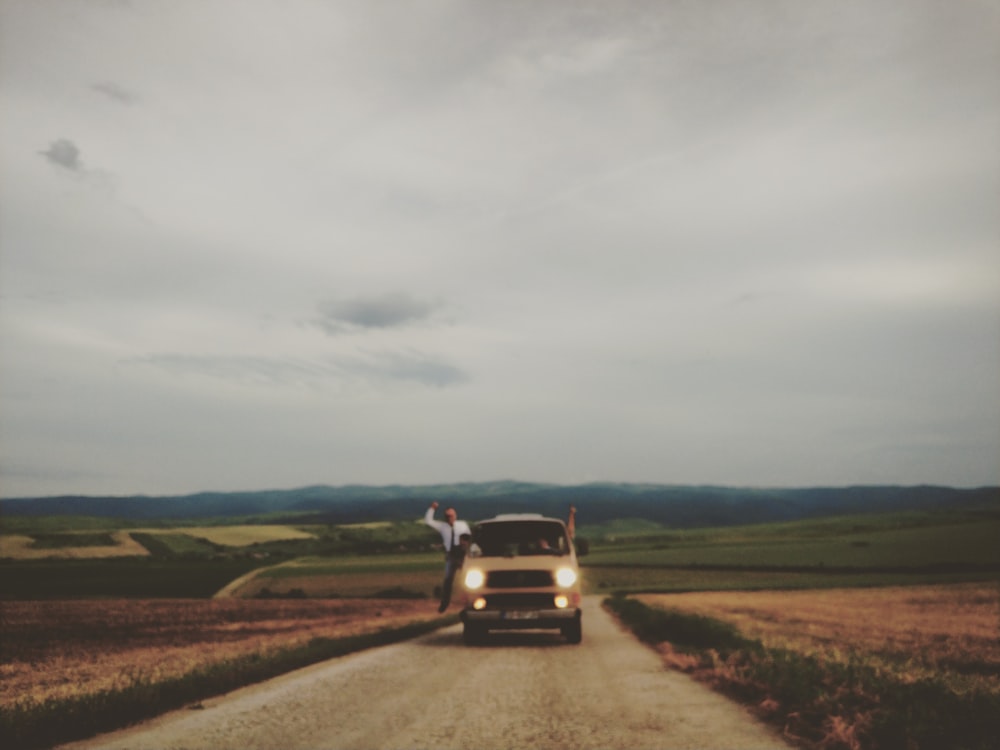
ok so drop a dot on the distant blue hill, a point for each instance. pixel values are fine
(671, 505)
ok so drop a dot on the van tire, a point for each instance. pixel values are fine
(574, 631)
(473, 635)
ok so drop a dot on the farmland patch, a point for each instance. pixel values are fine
(598, 579)
(353, 576)
(969, 546)
(120, 543)
(130, 577)
(69, 670)
(917, 630)
(62, 545)
(240, 536)
(915, 667)
(64, 648)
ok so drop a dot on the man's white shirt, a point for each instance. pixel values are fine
(446, 531)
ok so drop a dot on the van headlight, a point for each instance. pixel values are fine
(474, 579)
(565, 577)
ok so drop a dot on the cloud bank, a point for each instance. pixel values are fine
(678, 242)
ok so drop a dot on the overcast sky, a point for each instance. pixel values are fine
(260, 244)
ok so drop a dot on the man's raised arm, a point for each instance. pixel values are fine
(429, 516)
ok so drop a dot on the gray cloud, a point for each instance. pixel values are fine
(413, 366)
(382, 367)
(248, 369)
(64, 153)
(115, 92)
(386, 311)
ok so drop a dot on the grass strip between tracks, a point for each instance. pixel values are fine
(818, 703)
(31, 726)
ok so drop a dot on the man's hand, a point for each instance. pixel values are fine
(434, 505)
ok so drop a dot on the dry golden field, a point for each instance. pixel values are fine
(19, 547)
(239, 536)
(914, 630)
(56, 649)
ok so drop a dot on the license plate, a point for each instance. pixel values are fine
(517, 615)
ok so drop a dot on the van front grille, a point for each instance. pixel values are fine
(520, 601)
(519, 579)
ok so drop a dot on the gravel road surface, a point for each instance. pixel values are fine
(519, 690)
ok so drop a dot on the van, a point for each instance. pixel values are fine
(521, 573)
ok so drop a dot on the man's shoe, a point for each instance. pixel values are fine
(442, 608)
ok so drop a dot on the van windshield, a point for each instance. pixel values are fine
(516, 538)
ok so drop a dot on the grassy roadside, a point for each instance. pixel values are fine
(818, 702)
(31, 726)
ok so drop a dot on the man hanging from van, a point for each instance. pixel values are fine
(451, 531)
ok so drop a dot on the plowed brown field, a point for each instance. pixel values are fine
(56, 649)
(943, 628)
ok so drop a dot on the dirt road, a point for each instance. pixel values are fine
(520, 690)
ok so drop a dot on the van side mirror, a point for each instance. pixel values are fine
(582, 547)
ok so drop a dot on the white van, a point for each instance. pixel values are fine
(522, 573)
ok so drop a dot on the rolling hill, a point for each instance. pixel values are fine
(672, 505)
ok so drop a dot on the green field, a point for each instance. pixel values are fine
(138, 578)
(175, 545)
(897, 549)
(626, 555)
(356, 565)
(959, 545)
(54, 524)
(350, 576)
